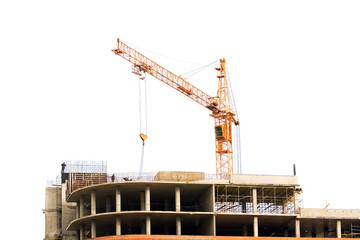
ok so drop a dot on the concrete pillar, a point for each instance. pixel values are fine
(118, 199)
(77, 210)
(296, 202)
(148, 225)
(178, 226)
(256, 227)
(297, 228)
(245, 229)
(319, 230)
(93, 229)
(338, 228)
(81, 210)
(147, 198)
(93, 202)
(254, 200)
(177, 199)
(118, 226)
(286, 232)
(81, 232)
(166, 204)
(142, 201)
(108, 204)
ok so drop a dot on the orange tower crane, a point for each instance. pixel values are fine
(219, 105)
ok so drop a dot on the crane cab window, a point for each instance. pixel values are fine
(219, 133)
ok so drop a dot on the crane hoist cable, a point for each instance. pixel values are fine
(142, 116)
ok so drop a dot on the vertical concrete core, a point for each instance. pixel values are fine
(177, 199)
(338, 228)
(118, 199)
(256, 227)
(93, 202)
(147, 198)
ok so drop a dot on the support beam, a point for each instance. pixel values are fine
(118, 226)
(177, 199)
(338, 228)
(93, 202)
(118, 199)
(178, 226)
(256, 227)
(147, 198)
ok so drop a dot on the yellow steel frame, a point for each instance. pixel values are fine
(219, 105)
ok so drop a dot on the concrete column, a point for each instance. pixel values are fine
(297, 228)
(245, 229)
(93, 229)
(319, 230)
(296, 202)
(338, 228)
(118, 226)
(108, 204)
(81, 232)
(256, 227)
(93, 202)
(142, 201)
(118, 199)
(166, 204)
(254, 200)
(77, 210)
(147, 198)
(148, 225)
(81, 210)
(178, 226)
(177, 199)
(286, 232)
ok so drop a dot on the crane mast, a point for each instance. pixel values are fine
(219, 105)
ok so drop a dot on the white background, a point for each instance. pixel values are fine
(294, 67)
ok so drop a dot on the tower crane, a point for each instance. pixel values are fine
(219, 105)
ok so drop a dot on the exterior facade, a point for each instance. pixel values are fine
(186, 205)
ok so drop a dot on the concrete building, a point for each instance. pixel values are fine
(187, 205)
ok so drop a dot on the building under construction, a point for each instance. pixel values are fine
(90, 203)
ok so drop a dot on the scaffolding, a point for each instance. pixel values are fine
(239, 199)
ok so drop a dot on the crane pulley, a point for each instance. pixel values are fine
(220, 105)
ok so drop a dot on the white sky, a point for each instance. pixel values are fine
(294, 67)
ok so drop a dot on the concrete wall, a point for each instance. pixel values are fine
(52, 212)
(264, 180)
(179, 176)
(68, 215)
(330, 213)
